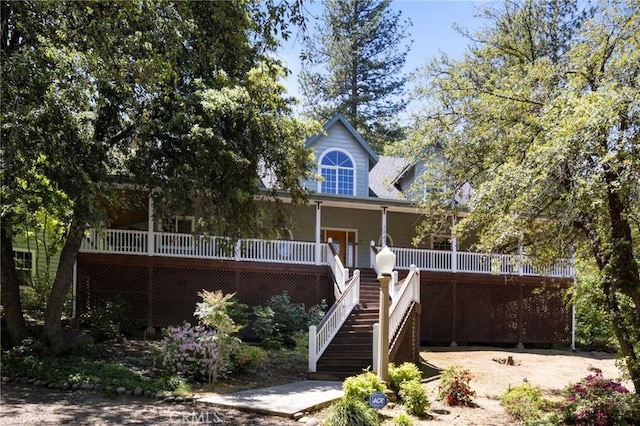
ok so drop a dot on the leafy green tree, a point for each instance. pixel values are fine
(541, 117)
(353, 65)
(182, 97)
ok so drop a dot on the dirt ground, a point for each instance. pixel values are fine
(552, 370)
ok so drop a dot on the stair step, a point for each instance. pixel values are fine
(343, 364)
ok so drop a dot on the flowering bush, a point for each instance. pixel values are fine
(454, 388)
(598, 401)
(189, 351)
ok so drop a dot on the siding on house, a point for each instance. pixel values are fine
(40, 268)
(338, 137)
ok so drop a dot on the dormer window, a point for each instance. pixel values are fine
(338, 173)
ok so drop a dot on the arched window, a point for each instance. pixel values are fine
(338, 173)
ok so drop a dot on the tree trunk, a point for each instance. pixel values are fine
(11, 303)
(63, 280)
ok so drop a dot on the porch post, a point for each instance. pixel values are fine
(520, 258)
(150, 229)
(383, 237)
(454, 249)
(318, 222)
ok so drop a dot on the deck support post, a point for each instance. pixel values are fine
(150, 229)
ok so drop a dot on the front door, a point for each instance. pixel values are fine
(344, 241)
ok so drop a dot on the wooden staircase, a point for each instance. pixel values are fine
(351, 350)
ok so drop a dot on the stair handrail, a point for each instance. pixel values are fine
(409, 292)
(320, 336)
(340, 274)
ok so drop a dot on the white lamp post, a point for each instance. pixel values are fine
(386, 260)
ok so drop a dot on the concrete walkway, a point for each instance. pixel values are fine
(283, 400)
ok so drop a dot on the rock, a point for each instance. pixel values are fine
(120, 390)
(87, 386)
(138, 391)
(51, 385)
(37, 383)
(31, 381)
(66, 386)
(75, 386)
(44, 383)
(109, 389)
(159, 396)
(66, 341)
(298, 415)
(169, 399)
(189, 398)
(179, 400)
(148, 393)
(97, 387)
(303, 419)
(313, 422)
(6, 379)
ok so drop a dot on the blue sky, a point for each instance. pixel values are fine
(432, 32)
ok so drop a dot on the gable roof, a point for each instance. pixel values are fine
(339, 118)
(382, 177)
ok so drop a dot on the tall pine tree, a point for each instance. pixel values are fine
(353, 65)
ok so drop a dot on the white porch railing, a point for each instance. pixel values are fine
(320, 337)
(478, 263)
(340, 274)
(133, 242)
(116, 241)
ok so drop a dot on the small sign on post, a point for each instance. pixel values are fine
(377, 400)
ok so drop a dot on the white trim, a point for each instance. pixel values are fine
(389, 240)
(34, 260)
(346, 230)
(175, 220)
(355, 171)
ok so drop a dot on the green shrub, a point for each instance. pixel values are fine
(405, 372)
(351, 412)
(169, 383)
(244, 357)
(598, 401)
(316, 313)
(403, 419)
(266, 327)
(112, 320)
(239, 312)
(414, 397)
(524, 402)
(454, 388)
(361, 387)
(277, 322)
(301, 338)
